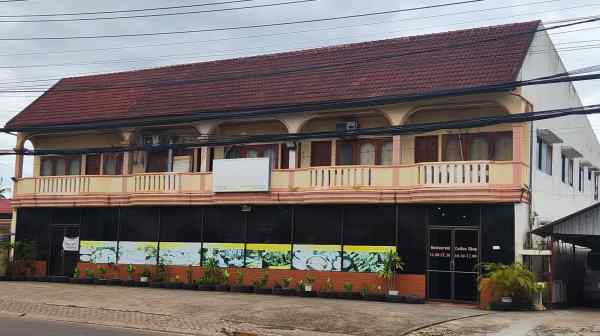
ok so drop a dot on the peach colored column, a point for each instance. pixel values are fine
(333, 152)
(518, 132)
(19, 158)
(204, 159)
(396, 158)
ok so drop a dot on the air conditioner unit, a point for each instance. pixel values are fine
(156, 140)
(346, 126)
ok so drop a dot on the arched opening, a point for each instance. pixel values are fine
(350, 150)
(491, 143)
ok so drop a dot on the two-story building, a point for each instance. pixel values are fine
(253, 161)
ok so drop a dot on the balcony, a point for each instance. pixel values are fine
(468, 181)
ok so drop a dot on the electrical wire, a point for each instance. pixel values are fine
(241, 76)
(263, 25)
(411, 129)
(139, 16)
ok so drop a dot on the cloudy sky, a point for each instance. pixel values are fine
(38, 63)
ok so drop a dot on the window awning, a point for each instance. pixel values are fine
(586, 163)
(570, 152)
(548, 136)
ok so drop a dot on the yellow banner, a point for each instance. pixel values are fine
(92, 244)
(370, 249)
(324, 248)
(225, 246)
(270, 247)
(174, 246)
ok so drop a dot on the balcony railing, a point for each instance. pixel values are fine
(423, 175)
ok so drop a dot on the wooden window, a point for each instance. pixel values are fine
(92, 164)
(112, 163)
(158, 161)
(320, 153)
(495, 146)
(254, 151)
(426, 149)
(363, 152)
(60, 165)
(387, 153)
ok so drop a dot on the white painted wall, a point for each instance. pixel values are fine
(553, 199)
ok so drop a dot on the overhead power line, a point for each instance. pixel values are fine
(416, 18)
(251, 75)
(282, 109)
(277, 24)
(212, 140)
(139, 16)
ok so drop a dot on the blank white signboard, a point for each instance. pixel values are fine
(241, 175)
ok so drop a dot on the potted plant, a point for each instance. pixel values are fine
(114, 272)
(392, 266)
(75, 278)
(304, 288)
(223, 285)
(239, 284)
(145, 277)
(308, 283)
(189, 274)
(160, 276)
(348, 293)
(326, 291)
(174, 283)
(211, 276)
(100, 276)
(513, 285)
(260, 285)
(130, 272)
(88, 277)
(285, 288)
(373, 293)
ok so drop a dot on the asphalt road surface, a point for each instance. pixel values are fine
(27, 327)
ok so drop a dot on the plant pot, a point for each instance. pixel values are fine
(307, 293)
(206, 287)
(411, 299)
(41, 278)
(263, 290)
(100, 282)
(115, 282)
(328, 295)
(128, 283)
(144, 279)
(19, 278)
(142, 284)
(396, 298)
(350, 295)
(59, 279)
(506, 299)
(393, 293)
(86, 281)
(222, 288)
(174, 285)
(4, 278)
(190, 286)
(308, 288)
(284, 291)
(243, 289)
(75, 280)
(157, 285)
(375, 297)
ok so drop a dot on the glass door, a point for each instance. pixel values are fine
(453, 255)
(64, 250)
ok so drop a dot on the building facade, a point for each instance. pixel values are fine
(152, 167)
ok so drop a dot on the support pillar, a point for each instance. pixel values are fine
(396, 159)
(292, 156)
(333, 152)
(204, 159)
(19, 158)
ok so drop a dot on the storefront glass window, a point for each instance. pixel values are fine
(317, 238)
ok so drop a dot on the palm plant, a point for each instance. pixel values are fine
(392, 266)
(509, 280)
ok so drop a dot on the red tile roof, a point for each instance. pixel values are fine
(408, 65)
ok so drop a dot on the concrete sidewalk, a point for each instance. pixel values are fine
(209, 313)
(213, 313)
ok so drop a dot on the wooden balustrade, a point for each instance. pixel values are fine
(454, 173)
(431, 174)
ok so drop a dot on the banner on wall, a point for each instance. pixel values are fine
(317, 257)
(364, 258)
(138, 253)
(271, 256)
(98, 252)
(180, 254)
(226, 254)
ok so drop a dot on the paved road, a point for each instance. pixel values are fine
(10, 326)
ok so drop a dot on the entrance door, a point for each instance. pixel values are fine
(426, 149)
(453, 255)
(63, 263)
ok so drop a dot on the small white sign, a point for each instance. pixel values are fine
(496, 247)
(242, 175)
(71, 244)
